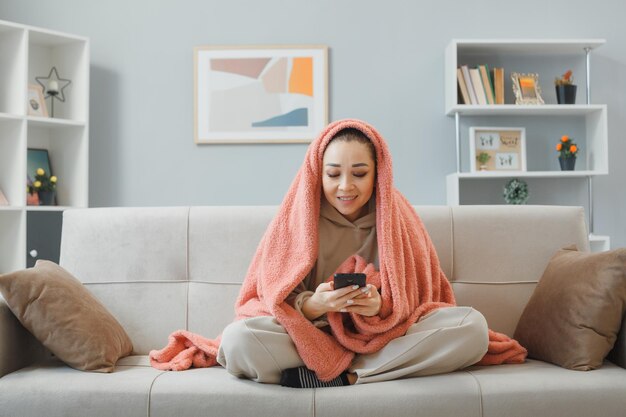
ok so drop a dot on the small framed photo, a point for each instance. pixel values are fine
(526, 88)
(35, 159)
(497, 149)
(36, 103)
(3, 199)
(260, 94)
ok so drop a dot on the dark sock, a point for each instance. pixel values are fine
(303, 377)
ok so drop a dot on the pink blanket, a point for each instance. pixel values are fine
(410, 280)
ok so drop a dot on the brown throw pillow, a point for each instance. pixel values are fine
(65, 317)
(618, 354)
(573, 317)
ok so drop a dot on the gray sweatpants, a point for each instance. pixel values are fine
(443, 341)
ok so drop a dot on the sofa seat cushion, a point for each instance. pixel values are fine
(453, 394)
(55, 390)
(540, 389)
(214, 392)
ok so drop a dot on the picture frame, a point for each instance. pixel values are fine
(526, 88)
(505, 147)
(35, 101)
(37, 158)
(260, 94)
(3, 199)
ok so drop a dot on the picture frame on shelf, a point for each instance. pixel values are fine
(35, 101)
(3, 199)
(260, 94)
(37, 158)
(497, 149)
(526, 88)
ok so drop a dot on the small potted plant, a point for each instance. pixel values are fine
(482, 159)
(565, 88)
(45, 186)
(516, 192)
(567, 150)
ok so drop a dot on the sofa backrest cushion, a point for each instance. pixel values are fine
(162, 269)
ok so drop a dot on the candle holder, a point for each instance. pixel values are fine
(53, 87)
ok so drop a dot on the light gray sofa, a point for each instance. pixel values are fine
(162, 269)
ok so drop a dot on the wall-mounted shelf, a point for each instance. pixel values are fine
(27, 52)
(548, 58)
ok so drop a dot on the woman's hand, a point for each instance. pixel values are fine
(365, 300)
(366, 304)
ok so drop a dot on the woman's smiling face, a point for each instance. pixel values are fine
(348, 177)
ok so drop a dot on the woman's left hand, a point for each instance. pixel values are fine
(367, 304)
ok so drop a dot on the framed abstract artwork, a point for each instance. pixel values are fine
(497, 149)
(252, 94)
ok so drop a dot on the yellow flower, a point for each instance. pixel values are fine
(40, 171)
(37, 184)
(53, 179)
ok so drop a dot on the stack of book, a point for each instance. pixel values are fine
(480, 86)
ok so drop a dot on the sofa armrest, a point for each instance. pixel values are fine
(18, 348)
(618, 354)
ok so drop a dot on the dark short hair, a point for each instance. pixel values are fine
(351, 134)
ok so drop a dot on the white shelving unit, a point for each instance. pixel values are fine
(548, 58)
(27, 52)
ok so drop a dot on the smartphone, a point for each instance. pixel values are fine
(344, 280)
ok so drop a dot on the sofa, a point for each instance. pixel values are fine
(167, 268)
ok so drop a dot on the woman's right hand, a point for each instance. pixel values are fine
(326, 298)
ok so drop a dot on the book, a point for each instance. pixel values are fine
(498, 84)
(486, 79)
(479, 90)
(468, 83)
(462, 87)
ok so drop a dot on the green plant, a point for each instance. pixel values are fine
(516, 192)
(566, 148)
(565, 79)
(483, 157)
(43, 181)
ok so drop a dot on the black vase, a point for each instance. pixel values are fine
(566, 94)
(46, 198)
(567, 164)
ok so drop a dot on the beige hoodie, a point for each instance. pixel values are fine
(339, 238)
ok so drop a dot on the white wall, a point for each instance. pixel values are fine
(386, 67)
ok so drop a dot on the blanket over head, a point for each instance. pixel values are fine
(410, 280)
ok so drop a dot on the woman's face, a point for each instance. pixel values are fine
(348, 177)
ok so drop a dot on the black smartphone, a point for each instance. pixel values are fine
(344, 280)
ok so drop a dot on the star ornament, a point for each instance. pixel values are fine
(54, 85)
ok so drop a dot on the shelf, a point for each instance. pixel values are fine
(28, 52)
(527, 174)
(9, 116)
(526, 46)
(599, 243)
(48, 208)
(53, 122)
(544, 124)
(70, 56)
(525, 110)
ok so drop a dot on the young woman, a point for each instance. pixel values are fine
(342, 214)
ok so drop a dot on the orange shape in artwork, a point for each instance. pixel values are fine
(301, 79)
